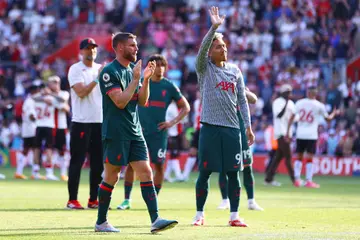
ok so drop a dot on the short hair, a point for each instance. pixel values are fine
(158, 58)
(121, 37)
(312, 88)
(54, 78)
(218, 36)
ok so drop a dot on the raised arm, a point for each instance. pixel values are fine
(201, 59)
(122, 98)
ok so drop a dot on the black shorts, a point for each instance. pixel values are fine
(174, 145)
(60, 139)
(195, 139)
(44, 134)
(303, 146)
(29, 142)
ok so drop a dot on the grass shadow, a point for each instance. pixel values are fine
(86, 209)
(70, 228)
(72, 233)
(36, 210)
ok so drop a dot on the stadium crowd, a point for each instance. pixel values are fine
(301, 42)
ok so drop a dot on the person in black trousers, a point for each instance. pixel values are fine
(283, 110)
(85, 136)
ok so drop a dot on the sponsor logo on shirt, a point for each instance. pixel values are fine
(225, 86)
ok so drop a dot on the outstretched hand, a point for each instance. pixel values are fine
(216, 20)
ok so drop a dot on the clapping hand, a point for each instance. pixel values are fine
(149, 70)
(137, 70)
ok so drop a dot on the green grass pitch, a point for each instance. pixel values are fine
(35, 210)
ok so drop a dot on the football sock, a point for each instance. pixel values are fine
(202, 188)
(104, 193)
(309, 170)
(297, 169)
(234, 216)
(150, 198)
(234, 187)
(35, 169)
(127, 189)
(20, 162)
(62, 163)
(158, 188)
(249, 181)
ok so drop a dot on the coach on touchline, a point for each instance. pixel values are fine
(85, 136)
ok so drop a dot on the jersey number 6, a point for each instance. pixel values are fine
(161, 153)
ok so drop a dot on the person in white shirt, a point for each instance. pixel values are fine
(310, 112)
(45, 110)
(28, 131)
(87, 116)
(60, 116)
(283, 108)
(174, 144)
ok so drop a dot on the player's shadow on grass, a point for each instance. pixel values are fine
(69, 228)
(71, 210)
(37, 210)
(72, 234)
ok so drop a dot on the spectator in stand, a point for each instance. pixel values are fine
(333, 97)
(332, 142)
(356, 146)
(346, 144)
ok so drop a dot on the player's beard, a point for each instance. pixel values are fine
(129, 56)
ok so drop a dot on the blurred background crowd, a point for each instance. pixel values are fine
(301, 42)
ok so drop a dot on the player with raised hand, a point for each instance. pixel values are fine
(123, 140)
(154, 126)
(310, 111)
(222, 93)
(248, 176)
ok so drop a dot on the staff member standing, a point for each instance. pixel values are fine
(85, 136)
(283, 108)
